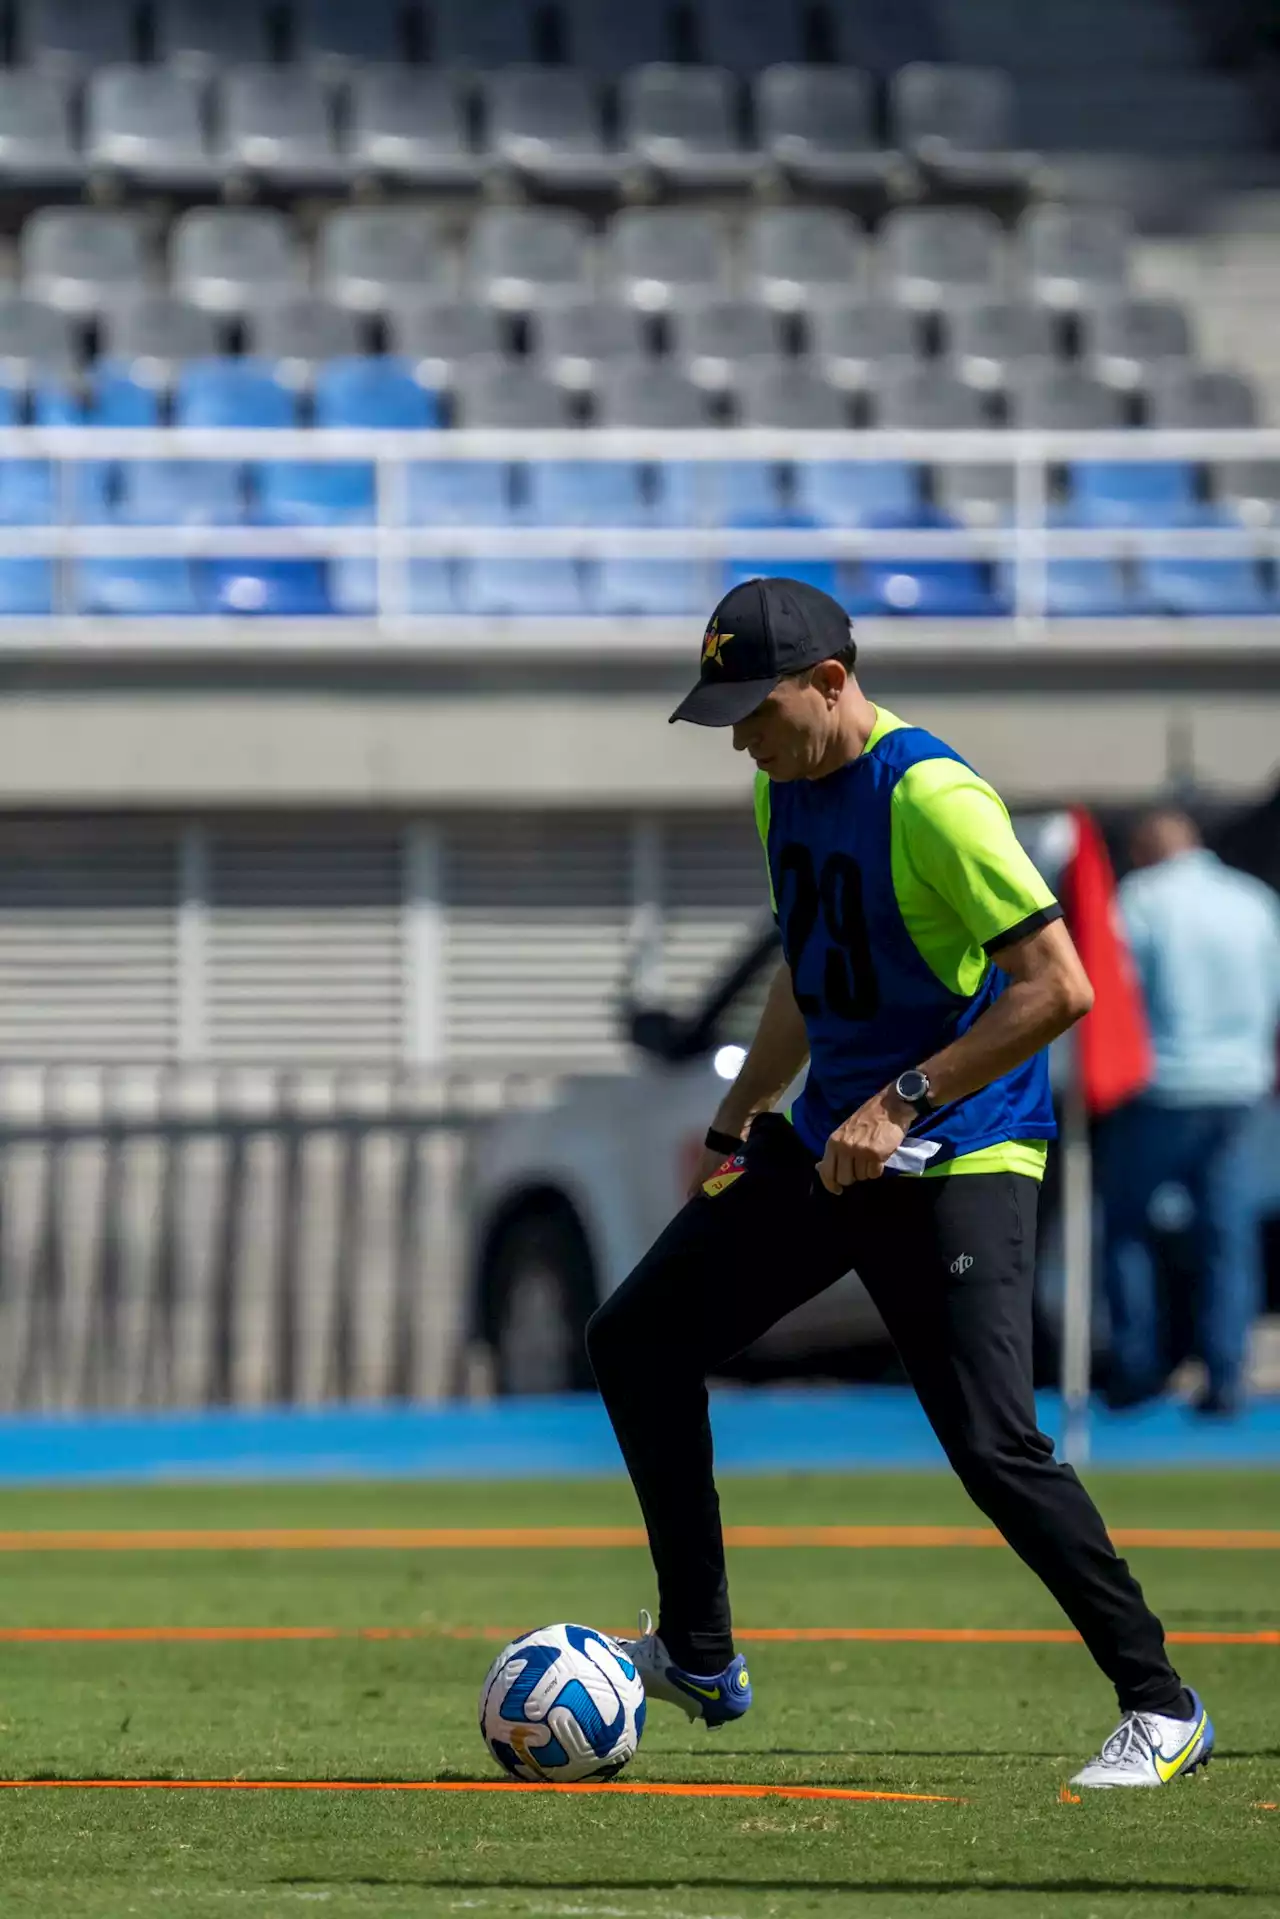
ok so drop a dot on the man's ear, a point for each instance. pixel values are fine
(831, 679)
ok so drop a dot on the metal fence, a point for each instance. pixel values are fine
(1023, 540)
(193, 1238)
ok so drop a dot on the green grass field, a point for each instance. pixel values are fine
(998, 1726)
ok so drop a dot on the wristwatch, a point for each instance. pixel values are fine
(913, 1088)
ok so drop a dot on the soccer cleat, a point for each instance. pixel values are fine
(715, 1698)
(1150, 1749)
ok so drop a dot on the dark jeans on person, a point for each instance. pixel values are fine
(949, 1263)
(1141, 1148)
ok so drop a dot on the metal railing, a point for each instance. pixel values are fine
(1023, 543)
(186, 1237)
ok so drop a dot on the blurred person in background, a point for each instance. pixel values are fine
(1206, 943)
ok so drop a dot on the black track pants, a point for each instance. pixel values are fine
(949, 1263)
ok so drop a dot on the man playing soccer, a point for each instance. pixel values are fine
(926, 970)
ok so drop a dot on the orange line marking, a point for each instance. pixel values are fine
(750, 1635)
(509, 1538)
(473, 1785)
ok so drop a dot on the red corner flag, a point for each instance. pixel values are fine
(1114, 1041)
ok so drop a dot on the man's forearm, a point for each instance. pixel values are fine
(1047, 993)
(777, 1053)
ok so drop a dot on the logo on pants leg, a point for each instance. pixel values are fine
(962, 1262)
(725, 1175)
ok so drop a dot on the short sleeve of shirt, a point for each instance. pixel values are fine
(961, 843)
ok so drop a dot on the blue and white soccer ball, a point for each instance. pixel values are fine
(562, 1704)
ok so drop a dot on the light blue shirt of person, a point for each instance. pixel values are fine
(1206, 941)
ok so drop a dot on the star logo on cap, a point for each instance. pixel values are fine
(713, 645)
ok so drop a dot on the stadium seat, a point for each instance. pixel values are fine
(926, 398)
(498, 33)
(658, 258)
(745, 35)
(1124, 341)
(993, 341)
(407, 124)
(372, 391)
(1063, 399)
(930, 256)
(1132, 492)
(1074, 256)
(527, 257)
(855, 492)
(772, 391)
(237, 393)
(938, 589)
(608, 40)
(1195, 397)
(201, 36)
(252, 587)
(958, 123)
(585, 492)
(545, 123)
(711, 343)
(26, 588)
(37, 146)
(817, 124)
(333, 35)
(802, 257)
(148, 125)
(653, 588)
(1080, 589)
(572, 344)
(512, 589)
(720, 493)
(680, 123)
(371, 258)
(435, 337)
(649, 394)
(824, 575)
(134, 589)
(978, 492)
(356, 391)
(81, 260)
(156, 326)
(34, 336)
(90, 491)
(302, 331)
(234, 259)
(277, 123)
(856, 346)
(180, 493)
(1183, 584)
(503, 393)
(28, 493)
(74, 35)
(459, 493)
(415, 587)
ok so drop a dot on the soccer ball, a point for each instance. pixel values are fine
(562, 1704)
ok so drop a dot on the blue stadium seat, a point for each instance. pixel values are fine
(850, 492)
(431, 587)
(135, 588)
(355, 391)
(28, 493)
(1081, 589)
(1131, 492)
(585, 493)
(513, 588)
(238, 393)
(942, 589)
(26, 587)
(312, 492)
(365, 391)
(180, 493)
(659, 588)
(353, 587)
(297, 588)
(113, 397)
(1204, 587)
(458, 493)
(709, 493)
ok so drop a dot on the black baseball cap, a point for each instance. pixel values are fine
(760, 632)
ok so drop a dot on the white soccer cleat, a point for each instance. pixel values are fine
(652, 1661)
(716, 1698)
(1150, 1749)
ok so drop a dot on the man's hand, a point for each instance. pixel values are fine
(860, 1146)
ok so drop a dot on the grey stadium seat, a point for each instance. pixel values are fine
(304, 329)
(774, 392)
(799, 257)
(930, 256)
(334, 34)
(573, 344)
(524, 257)
(439, 336)
(1193, 397)
(74, 34)
(959, 123)
(709, 342)
(1125, 340)
(81, 260)
(159, 327)
(853, 344)
(501, 393)
(746, 35)
(36, 142)
(230, 260)
(680, 121)
(608, 40)
(649, 395)
(924, 399)
(663, 257)
(278, 122)
(33, 336)
(1071, 256)
(147, 123)
(1064, 400)
(375, 257)
(818, 125)
(986, 342)
(481, 33)
(408, 124)
(206, 34)
(545, 122)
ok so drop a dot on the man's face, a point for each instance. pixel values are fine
(789, 731)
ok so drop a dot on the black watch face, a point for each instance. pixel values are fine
(913, 1087)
